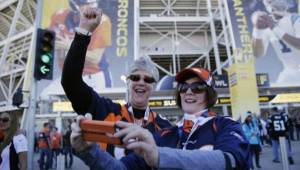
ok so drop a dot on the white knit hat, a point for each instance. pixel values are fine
(146, 64)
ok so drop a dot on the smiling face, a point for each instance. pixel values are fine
(139, 90)
(193, 102)
(5, 121)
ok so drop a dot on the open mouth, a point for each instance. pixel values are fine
(140, 91)
(190, 101)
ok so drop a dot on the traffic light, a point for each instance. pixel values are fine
(44, 54)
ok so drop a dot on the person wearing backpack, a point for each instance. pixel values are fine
(14, 154)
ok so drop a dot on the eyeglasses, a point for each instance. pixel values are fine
(4, 120)
(136, 77)
(197, 87)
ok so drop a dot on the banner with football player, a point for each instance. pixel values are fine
(241, 74)
(110, 51)
(274, 26)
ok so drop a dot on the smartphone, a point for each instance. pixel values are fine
(96, 131)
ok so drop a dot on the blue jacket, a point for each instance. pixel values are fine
(252, 133)
(223, 135)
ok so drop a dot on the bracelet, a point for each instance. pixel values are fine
(83, 31)
(278, 32)
(257, 33)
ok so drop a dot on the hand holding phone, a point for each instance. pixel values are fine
(99, 131)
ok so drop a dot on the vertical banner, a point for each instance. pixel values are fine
(272, 46)
(241, 74)
(110, 51)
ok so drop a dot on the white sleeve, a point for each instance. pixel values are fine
(296, 26)
(20, 143)
(266, 37)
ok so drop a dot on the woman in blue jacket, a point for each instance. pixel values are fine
(201, 139)
(251, 131)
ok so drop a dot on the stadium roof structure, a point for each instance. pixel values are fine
(17, 20)
(177, 22)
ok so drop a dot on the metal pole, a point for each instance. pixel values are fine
(30, 113)
(283, 151)
(30, 124)
(225, 30)
(214, 37)
(137, 30)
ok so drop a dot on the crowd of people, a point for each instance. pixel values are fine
(50, 143)
(266, 132)
(200, 139)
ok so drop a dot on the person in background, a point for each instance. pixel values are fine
(68, 148)
(141, 78)
(44, 147)
(252, 133)
(55, 138)
(14, 154)
(201, 139)
(263, 132)
(291, 128)
(277, 127)
(297, 126)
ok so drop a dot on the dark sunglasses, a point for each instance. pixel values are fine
(4, 120)
(197, 87)
(136, 77)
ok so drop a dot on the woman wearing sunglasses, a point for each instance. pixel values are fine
(141, 78)
(201, 140)
(14, 153)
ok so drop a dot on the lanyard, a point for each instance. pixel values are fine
(145, 119)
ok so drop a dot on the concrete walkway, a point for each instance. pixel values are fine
(266, 160)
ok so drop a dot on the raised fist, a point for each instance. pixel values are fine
(261, 20)
(90, 18)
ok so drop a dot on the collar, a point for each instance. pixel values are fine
(196, 119)
(146, 115)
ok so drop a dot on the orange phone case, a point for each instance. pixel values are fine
(98, 126)
(95, 131)
(97, 137)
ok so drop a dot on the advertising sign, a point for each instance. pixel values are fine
(275, 37)
(111, 49)
(241, 74)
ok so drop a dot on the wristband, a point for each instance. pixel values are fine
(278, 32)
(257, 33)
(83, 31)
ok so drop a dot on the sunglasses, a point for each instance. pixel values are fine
(4, 120)
(197, 87)
(136, 77)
